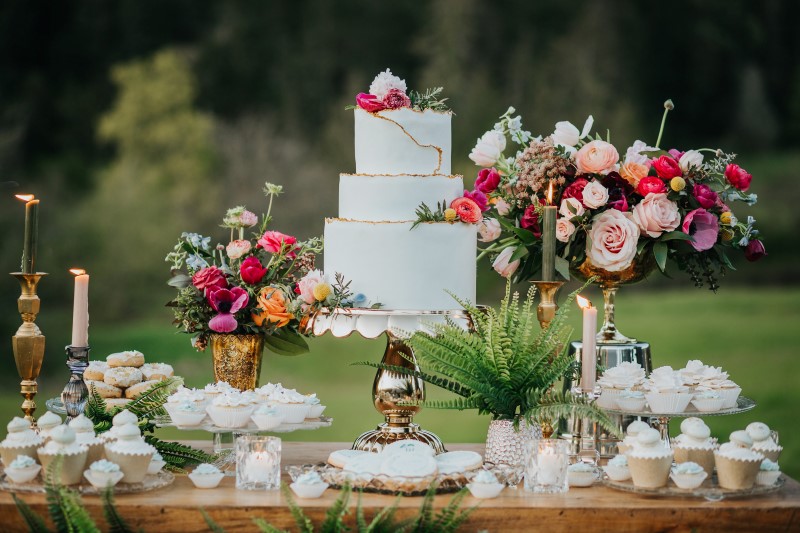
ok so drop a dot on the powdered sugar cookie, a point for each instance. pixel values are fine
(134, 391)
(127, 358)
(95, 371)
(458, 461)
(103, 389)
(157, 371)
(407, 465)
(339, 458)
(408, 446)
(117, 402)
(122, 376)
(364, 466)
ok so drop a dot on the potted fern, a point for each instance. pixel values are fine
(506, 367)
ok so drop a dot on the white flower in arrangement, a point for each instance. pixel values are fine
(595, 195)
(195, 262)
(385, 82)
(567, 135)
(690, 158)
(488, 149)
(634, 153)
(196, 240)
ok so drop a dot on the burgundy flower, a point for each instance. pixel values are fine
(488, 180)
(226, 302)
(251, 270)
(209, 279)
(705, 196)
(738, 177)
(479, 198)
(575, 190)
(369, 102)
(530, 219)
(650, 184)
(755, 250)
(703, 227)
(667, 167)
(396, 99)
(618, 191)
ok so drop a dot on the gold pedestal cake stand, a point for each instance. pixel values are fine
(395, 395)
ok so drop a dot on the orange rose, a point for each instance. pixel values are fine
(272, 305)
(633, 172)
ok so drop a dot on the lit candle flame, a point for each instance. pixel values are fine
(77, 271)
(25, 197)
(583, 303)
(550, 194)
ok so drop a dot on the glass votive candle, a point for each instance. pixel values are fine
(546, 466)
(258, 462)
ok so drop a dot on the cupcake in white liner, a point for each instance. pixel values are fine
(484, 485)
(713, 378)
(131, 453)
(316, 408)
(102, 474)
(631, 432)
(581, 474)
(708, 401)
(120, 420)
(46, 423)
(23, 469)
(630, 400)
(616, 379)
(186, 395)
(649, 461)
(21, 440)
(768, 473)
(62, 444)
(186, 414)
(695, 444)
(214, 390)
(156, 464)
(230, 410)
(617, 468)
(291, 404)
(84, 434)
(692, 373)
(265, 392)
(309, 485)
(737, 465)
(688, 475)
(206, 476)
(667, 393)
(266, 417)
(762, 440)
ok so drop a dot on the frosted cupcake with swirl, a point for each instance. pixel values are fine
(762, 440)
(230, 410)
(615, 380)
(695, 444)
(714, 379)
(84, 434)
(21, 440)
(73, 455)
(737, 464)
(131, 453)
(666, 391)
(650, 461)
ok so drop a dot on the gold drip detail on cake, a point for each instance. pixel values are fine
(437, 148)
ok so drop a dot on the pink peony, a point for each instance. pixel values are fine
(705, 196)
(275, 242)
(651, 184)
(226, 302)
(755, 250)
(251, 270)
(656, 214)
(502, 265)
(738, 177)
(575, 189)
(596, 157)
(479, 198)
(237, 248)
(305, 287)
(369, 102)
(467, 210)
(209, 279)
(395, 99)
(488, 230)
(564, 229)
(612, 240)
(488, 180)
(667, 167)
(703, 227)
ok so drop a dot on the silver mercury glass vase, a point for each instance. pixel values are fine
(506, 445)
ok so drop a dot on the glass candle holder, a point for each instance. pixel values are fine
(546, 466)
(258, 462)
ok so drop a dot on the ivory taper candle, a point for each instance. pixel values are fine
(80, 309)
(588, 345)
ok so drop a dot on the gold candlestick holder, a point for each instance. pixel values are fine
(28, 342)
(547, 308)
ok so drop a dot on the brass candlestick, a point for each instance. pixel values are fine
(28, 342)
(547, 308)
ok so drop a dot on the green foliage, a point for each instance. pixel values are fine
(212, 525)
(116, 524)
(430, 99)
(426, 214)
(178, 456)
(34, 522)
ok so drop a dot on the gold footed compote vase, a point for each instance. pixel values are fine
(28, 342)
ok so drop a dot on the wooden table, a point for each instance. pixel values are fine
(176, 508)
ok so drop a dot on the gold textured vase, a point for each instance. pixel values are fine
(237, 359)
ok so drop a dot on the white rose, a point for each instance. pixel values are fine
(567, 135)
(564, 229)
(502, 207)
(489, 229)
(501, 263)
(594, 195)
(656, 214)
(488, 149)
(690, 158)
(612, 241)
(385, 82)
(571, 207)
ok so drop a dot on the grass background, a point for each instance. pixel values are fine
(752, 333)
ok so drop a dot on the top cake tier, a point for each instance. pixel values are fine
(402, 141)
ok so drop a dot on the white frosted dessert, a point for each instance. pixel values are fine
(617, 468)
(206, 476)
(21, 440)
(47, 422)
(768, 473)
(84, 434)
(484, 485)
(230, 410)
(103, 473)
(625, 376)
(667, 392)
(309, 485)
(393, 198)
(131, 453)
(695, 444)
(73, 455)
(737, 464)
(688, 475)
(650, 460)
(156, 464)
(631, 432)
(581, 474)
(763, 441)
(708, 401)
(123, 418)
(23, 469)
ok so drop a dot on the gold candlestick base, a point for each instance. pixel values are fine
(28, 343)
(547, 308)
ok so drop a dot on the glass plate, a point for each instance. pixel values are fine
(206, 425)
(742, 405)
(151, 482)
(709, 490)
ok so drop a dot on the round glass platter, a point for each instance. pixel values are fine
(742, 406)
(709, 490)
(151, 482)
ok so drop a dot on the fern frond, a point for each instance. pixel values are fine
(554, 405)
(383, 521)
(266, 527)
(212, 525)
(151, 403)
(449, 519)
(426, 509)
(34, 522)
(334, 517)
(177, 455)
(304, 524)
(97, 411)
(116, 524)
(78, 518)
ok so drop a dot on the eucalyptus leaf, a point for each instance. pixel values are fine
(676, 236)
(562, 267)
(180, 281)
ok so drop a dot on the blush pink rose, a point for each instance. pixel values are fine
(369, 102)
(305, 287)
(594, 195)
(738, 177)
(502, 265)
(395, 99)
(656, 214)
(596, 157)
(503, 208)
(651, 184)
(612, 240)
(564, 229)
(275, 241)
(488, 230)
(238, 248)
(703, 227)
(571, 207)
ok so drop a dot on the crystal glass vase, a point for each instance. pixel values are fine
(506, 445)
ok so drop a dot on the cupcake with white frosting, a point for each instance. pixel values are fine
(21, 440)
(84, 434)
(707, 401)
(714, 379)
(23, 469)
(484, 485)
(581, 474)
(156, 464)
(121, 419)
(131, 453)
(650, 460)
(187, 414)
(267, 417)
(695, 444)
(617, 468)
(46, 423)
(102, 474)
(291, 404)
(762, 440)
(309, 485)
(206, 476)
(615, 380)
(768, 473)
(631, 432)
(688, 475)
(632, 401)
(184, 395)
(230, 410)
(666, 391)
(214, 390)
(62, 444)
(737, 464)
(316, 408)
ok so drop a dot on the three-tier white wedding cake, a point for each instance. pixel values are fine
(402, 160)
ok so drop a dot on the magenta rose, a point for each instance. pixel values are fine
(488, 180)
(275, 241)
(369, 102)
(738, 177)
(755, 250)
(667, 167)
(251, 270)
(575, 190)
(705, 196)
(226, 302)
(703, 227)
(479, 198)
(651, 184)
(209, 279)
(530, 219)
(395, 99)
